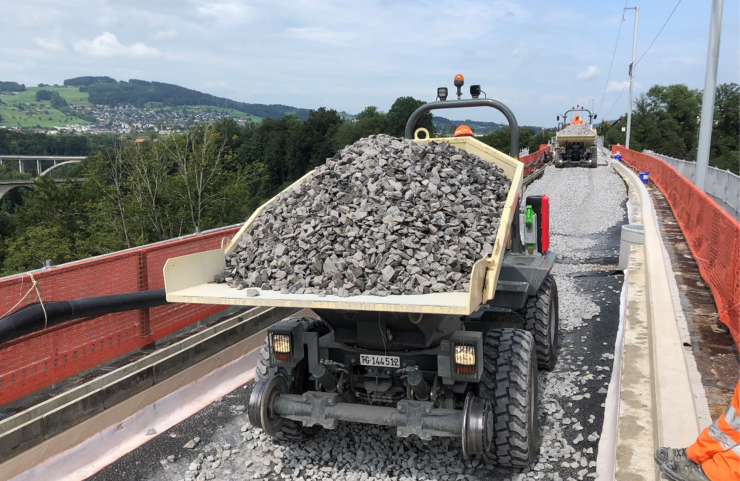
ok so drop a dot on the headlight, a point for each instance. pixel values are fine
(280, 346)
(465, 359)
(461, 357)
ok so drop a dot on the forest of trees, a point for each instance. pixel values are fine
(83, 81)
(666, 120)
(31, 143)
(12, 87)
(139, 92)
(57, 102)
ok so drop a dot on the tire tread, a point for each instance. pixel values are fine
(508, 368)
(537, 322)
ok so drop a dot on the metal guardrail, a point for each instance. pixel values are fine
(721, 185)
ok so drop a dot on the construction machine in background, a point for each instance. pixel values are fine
(575, 141)
(455, 364)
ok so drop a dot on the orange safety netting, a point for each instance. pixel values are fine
(40, 359)
(711, 233)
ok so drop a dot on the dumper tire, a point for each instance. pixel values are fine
(298, 382)
(594, 159)
(542, 320)
(509, 382)
(558, 161)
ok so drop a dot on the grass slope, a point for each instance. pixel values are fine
(21, 109)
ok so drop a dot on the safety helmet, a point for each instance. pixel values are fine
(463, 131)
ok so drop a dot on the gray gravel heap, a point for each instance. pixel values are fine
(383, 216)
(582, 202)
(580, 129)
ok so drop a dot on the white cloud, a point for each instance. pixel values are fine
(47, 44)
(616, 86)
(226, 11)
(165, 34)
(590, 72)
(107, 45)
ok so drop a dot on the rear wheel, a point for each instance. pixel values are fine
(297, 382)
(558, 160)
(509, 382)
(542, 320)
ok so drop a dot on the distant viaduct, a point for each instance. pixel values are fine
(8, 185)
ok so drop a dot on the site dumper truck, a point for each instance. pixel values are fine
(459, 364)
(576, 141)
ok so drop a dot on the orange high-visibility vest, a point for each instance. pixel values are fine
(577, 121)
(717, 448)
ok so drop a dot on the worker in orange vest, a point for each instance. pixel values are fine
(577, 120)
(715, 456)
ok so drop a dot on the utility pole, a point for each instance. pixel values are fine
(632, 76)
(707, 105)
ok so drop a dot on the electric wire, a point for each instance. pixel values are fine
(606, 117)
(616, 44)
(661, 31)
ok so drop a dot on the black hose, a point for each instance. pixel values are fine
(31, 317)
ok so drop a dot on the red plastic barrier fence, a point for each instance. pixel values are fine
(42, 358)
(534, 160)
(711, 233)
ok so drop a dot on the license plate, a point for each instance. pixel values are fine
(380, 361)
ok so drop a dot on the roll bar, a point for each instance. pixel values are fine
(591, 117)
(456, 104)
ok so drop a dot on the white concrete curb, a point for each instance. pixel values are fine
(676, 421)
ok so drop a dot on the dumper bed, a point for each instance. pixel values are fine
(190, 279)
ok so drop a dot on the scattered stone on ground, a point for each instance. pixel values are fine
(383, 216)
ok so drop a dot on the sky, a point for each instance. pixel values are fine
(540, 57)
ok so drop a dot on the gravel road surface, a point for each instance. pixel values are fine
(587, 210)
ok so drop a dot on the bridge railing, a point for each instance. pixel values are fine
(40, 359)
(722, 185)
(711, 233)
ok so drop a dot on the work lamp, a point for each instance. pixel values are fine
(442, 93)
(465, 361)
(280, 346)
(475, 91)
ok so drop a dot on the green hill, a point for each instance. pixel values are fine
(21, 107)
(140, 92)
(446, 125)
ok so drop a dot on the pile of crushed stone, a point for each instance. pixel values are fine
(580, 129)
(383, 216)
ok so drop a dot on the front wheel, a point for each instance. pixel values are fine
(509, 382)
